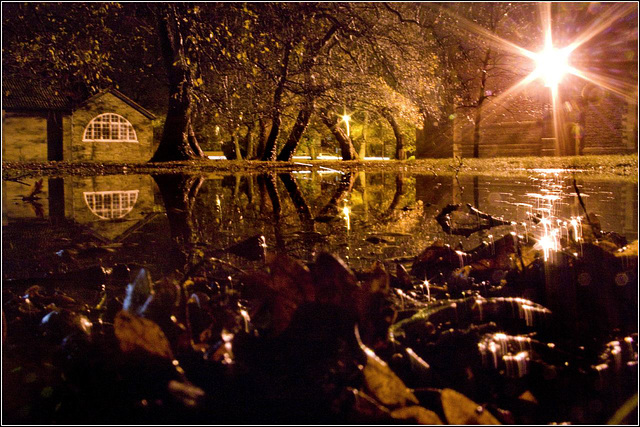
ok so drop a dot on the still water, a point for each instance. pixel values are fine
(60, 225)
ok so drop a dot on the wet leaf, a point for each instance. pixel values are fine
(417, 414)
(527, 396)
(403, 276)
(334, 281)
(288, 285)
(186, 393)
(383, 384)
(375, 312)
(459, 409)
(139, 335)
(253, 248)
(138, 292)
(367, 406)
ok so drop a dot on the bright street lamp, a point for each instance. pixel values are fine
(552, 64)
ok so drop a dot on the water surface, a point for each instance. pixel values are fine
(73, 223)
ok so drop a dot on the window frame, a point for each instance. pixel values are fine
(111, 205)
(109, 126)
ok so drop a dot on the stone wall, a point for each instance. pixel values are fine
(609, 127)
(77, 150)
(24, 137)
(506, 139)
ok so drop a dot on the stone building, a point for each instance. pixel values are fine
(601, 124)
(40, 124)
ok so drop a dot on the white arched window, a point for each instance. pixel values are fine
(110, 127)
(110, 204)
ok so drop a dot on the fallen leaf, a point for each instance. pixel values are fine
(137, 334)
(383, 384)
(417, 414)
(459, 409)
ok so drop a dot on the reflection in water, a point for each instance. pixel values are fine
(390, 216)
(110, 204)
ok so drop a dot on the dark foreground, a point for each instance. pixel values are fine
(511, 330)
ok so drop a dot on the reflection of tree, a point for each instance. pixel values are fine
(267, 183)
(387, 215)
(179, 194)
(298, 200)
(331, 210)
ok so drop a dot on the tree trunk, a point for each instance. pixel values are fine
(476, 134)
(363, 145)
(304, 115)
(346, 146)
(178, 141)
(270, 145)
(400, 153)
(236, 145)
(262, 138)
(250, 141)
(481, 97)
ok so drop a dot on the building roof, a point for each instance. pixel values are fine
(23, 95)
(20, 94)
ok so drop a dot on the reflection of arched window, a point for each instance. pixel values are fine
(111, 128)
(110, 204)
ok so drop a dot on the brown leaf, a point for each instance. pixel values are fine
(334, 281)
(418, 415)
(139, 335)
(375, 313)
(459, 409)
(289, 277)
(383, 384)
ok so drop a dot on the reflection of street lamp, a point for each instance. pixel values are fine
(346, 118)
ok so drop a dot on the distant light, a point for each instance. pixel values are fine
(553, 64)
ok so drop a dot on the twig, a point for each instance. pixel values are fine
(596, 232)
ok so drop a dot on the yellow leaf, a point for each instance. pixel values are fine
(459, 409)
(417, 414)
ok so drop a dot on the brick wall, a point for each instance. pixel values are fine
(78, 150)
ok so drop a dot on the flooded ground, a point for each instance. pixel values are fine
(360, 216)
(442, 238)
